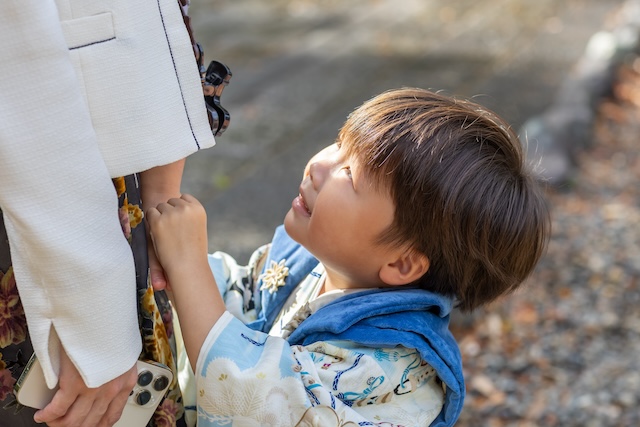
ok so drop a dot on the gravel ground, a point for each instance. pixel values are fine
(564, 350)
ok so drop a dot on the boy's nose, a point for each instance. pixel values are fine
(316, 174)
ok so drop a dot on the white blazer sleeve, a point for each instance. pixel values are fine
(73, 267)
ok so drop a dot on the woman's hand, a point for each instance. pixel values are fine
(75, 404)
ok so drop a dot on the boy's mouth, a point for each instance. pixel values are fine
(304, 203)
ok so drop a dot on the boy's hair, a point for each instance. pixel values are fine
(462, 192)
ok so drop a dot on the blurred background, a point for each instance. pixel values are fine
(300, 66)
(561, 352)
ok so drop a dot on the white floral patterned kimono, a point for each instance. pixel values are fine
(246, 377)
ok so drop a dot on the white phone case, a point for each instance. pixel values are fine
(153, 381)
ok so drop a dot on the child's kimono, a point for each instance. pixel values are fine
(377, 357)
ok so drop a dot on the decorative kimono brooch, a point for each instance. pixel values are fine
(274, 276)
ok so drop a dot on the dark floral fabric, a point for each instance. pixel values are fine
(15, 347)
(154, 316)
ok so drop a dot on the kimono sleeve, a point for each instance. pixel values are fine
(237, 283)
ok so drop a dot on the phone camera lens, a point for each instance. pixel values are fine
(161, 383)
(144, 378)
(143, 397)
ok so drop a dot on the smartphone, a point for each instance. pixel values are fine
(153, 381)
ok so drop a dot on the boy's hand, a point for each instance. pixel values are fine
(179, 233)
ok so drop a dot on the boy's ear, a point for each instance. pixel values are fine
(408, 267)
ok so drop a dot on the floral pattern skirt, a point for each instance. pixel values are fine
(154, 318)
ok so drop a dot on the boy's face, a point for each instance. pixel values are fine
(338, 216)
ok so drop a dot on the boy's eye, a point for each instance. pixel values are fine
(347, 169)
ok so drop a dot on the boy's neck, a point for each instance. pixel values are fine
(332, 282)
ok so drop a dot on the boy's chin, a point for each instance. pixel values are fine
(290, 227)
(288, 222)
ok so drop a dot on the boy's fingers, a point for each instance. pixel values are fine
(183, 200)
(166, 206)
(151, 214)
(176, 201)
(189, 198)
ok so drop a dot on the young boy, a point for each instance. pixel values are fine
(422, 203)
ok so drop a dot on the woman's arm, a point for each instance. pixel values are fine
(157, 185)
(73, 267)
